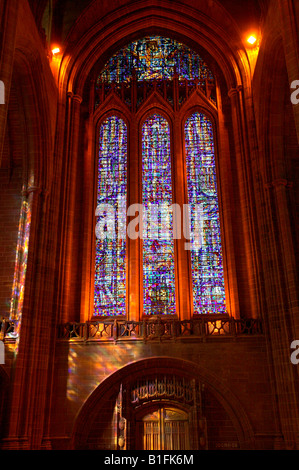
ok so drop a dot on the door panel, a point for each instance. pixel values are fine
(165, 429)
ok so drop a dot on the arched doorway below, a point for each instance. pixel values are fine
(160, 404)
(160, 412)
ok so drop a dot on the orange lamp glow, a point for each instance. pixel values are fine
(251, 40)
(56, 50)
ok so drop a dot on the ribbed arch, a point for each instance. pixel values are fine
(101, 39)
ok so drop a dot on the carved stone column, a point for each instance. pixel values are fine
(283, 311)
(69, 265)
(225, 183)
(183, 260)
(29, 394)
(281, 188)
(289, 11)
(247, 270)
(89, 205)
(8, 25)
(134, 276)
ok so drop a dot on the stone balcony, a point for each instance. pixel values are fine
(159, 329)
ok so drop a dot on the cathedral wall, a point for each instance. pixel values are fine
(237, 367)
(252, 387)
(10, 187)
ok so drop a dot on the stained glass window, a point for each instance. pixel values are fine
(205, 238)
(155, 57)
(18, 291)
(110, 264)
(158, 246)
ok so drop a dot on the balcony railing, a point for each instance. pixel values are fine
(158, 329)
(149, 329)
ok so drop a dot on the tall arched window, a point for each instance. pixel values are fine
(206, 253)
(158, 246)
(157, 77)
(110, 262)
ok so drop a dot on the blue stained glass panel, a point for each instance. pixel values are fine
(206, 251)
(155, 57)
(110, 263)
(158, 246)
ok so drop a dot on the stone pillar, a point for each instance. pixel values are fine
(89, 205)
(281, 188)
(182, 254)
(226, 185)
(289, 11)
(8, 27)
(70, 210)
(283, 314)
(30, 394)
(134, 254)
(247, 285)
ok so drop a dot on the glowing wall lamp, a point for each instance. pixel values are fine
(55, 57)
(56, 50)
(251, 39)
(252, 45)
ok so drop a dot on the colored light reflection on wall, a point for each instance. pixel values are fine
(155, 57)
(89, 367)
(206, 260)
(110, 263)
(158, 253)
(17, 298)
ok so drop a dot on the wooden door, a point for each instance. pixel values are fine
(164, 429)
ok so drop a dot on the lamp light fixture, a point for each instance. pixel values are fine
(251, 39)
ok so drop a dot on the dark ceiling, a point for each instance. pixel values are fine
(246, 13)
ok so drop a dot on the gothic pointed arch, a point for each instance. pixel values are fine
(79, 74)
(127, 378)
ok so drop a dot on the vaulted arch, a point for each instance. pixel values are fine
(135, 100)
(98, 42)
(108, 391)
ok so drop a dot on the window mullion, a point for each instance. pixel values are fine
(134, 244)
(183, 283)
